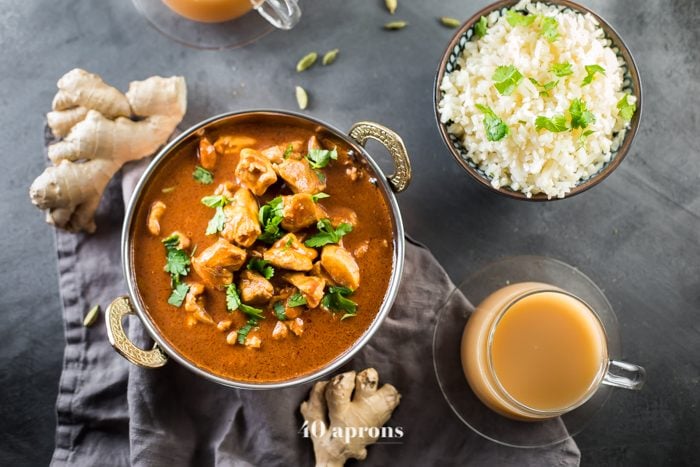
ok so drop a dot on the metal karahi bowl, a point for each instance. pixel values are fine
(162, 350)
(631, 83)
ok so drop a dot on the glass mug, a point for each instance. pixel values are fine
(282, 14)
(532, 351)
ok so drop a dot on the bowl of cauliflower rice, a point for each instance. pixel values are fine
(538, 100)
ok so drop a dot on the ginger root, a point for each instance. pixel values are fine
(371, 407)
(99, 136)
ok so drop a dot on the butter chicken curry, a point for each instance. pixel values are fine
(262, 251)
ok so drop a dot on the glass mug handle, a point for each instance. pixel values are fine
(625, 375)
(282, 14)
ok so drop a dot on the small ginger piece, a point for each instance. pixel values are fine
(102, 129)
(194, 303)
(370, 407)
(296, 325)
(155, 213)
(280, 331)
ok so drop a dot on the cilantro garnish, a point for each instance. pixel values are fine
(216, 224)
(318, 196)
(202, 175)
(262, 266)
(296, 300)
(270, 216)
(581, 141)
(580, 116)
(506, 79)
(320, 158)
(278, 308)
(548, 28)
(515, 18)
(544, 88)
(592, 70)
(178, 295)
(562, 69)
(335, 300)
(496, 129)
(556, 123)
(233, 303)
(481, 27)
(245, 330)
(626, 108)
(327, 234)
(215, 201)
(288, 152)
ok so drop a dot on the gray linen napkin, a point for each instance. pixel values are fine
(113, 413)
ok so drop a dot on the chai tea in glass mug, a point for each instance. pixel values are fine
(283, 14)
(531, 351)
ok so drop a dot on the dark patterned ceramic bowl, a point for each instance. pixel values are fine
(621, 142)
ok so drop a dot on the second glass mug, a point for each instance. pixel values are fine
(478, 366)
(282, 14)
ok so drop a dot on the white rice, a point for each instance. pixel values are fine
(528, 160)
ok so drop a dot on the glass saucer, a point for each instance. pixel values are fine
(229, 34)
(451, 320)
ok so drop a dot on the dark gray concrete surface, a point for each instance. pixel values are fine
(637, 235)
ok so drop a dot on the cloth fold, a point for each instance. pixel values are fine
(110, 411)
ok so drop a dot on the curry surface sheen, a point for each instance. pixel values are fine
(325, 336)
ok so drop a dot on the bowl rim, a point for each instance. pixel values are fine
(389, 296)
(626, 144)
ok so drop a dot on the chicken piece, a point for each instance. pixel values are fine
(300, 177)
(155, 213)
(318, 271)
(242, 225)
(299, 211)
(275, 154)
(255, 289)
(311, 287)
(313, 144)
(253, 342)
(296, 326)
(216, 264)
(341, 266)
(183, 241)
(280, 331)
(194, 303)
(231, 144)
(341, 215)
(207, 154)
(225, 189)
(255, 171)
(289, 253)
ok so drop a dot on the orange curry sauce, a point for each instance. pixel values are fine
(325, 336)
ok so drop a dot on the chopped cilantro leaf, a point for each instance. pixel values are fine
(318, 196)
(216, 224)
(270, 216)
(556, 124)
(544, 88)
(262, 266)
(288, 152)
(215, 201)
(506, 79)
(592, 70)
(562, 69)
(548, 28)
(296, 300)
(327, 234)
(335, 300)
(233, 303)
(581, 141)
(320, 158)
(245, 330)
(202, 175)
(496, 129)
(171, 242)
(515, 18)
(178, 295)
(177, 264)
(278, 308)
(580, 116)
(626, 108)
(481, 28)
